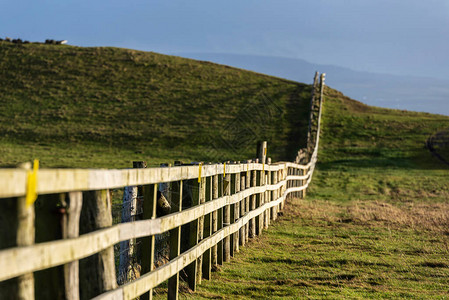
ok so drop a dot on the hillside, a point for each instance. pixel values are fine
(370, 153)
(374, 224)
(104, 107)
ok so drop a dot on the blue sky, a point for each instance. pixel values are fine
(391, 36)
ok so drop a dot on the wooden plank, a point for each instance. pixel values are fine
(53, 181)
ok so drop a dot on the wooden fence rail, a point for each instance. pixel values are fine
(228, 204)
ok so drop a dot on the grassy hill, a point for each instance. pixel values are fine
(104, 107)
(375, 223)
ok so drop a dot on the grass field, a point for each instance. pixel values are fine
(375, 223)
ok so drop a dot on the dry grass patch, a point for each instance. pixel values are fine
(417, 216)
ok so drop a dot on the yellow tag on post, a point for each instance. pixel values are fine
(224, 170)
(199, 172)
(31, 188)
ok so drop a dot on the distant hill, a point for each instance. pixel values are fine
(384, 90)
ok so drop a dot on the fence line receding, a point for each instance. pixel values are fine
(62, 246)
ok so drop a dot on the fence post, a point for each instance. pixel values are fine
(252, 226)
(236, 214)
(17, 229)
(201, 219)
(97, 272)
(206, 187)
(227, 218)
(175, 238)
(70, 229)
(215, 220)
(147, 244)
(242, 212)
(220, 218)
(247, 202)
(192, 269)
(262, 155)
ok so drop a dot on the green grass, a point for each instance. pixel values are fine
(319, 250)
(374, 224)
(104, 107)
(369, 153)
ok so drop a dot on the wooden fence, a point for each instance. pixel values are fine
(228, 204)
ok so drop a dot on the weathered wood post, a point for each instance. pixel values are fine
(148, 208)
(175, 237)
(236, 211)
(242, 233)
(220, 218)
(207, 256)
(252, 225)
(192, 269)
(283, 188)
(227, 217)
(17, 229)
(201, 219)
(70, 229)
(131, 207)
(262, 155)
(276, 194)
(97, 272)
(215, 221)
(247, 200)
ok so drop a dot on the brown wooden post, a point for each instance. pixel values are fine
(268, 193)
(147, 243)
(201, 219)
(192, 269)
(215, 220)
(220, 219)
(17, 229)
(175, 238)
(50, 211)
(247, 200)
(70, 229)
(227, 218)
(242, 234)
(207, 187)
(236, 235)
(252, 225)
(262, 155)
(97, 272)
